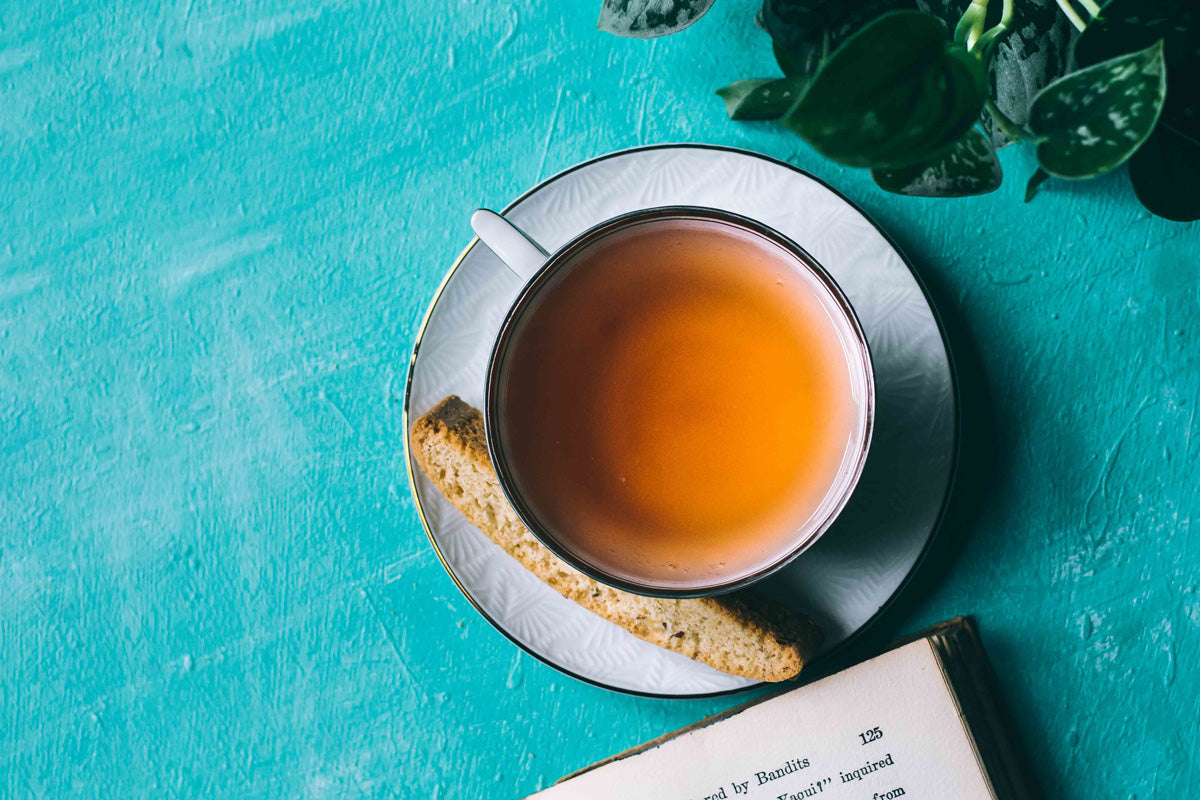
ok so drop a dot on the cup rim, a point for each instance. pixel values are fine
(504, 339)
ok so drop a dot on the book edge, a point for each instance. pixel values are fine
(975, 685)
(944, 656)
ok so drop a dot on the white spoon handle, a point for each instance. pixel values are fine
(513, 246)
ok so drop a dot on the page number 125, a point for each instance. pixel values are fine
(873, 735)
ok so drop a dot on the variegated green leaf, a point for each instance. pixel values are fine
(646, 19)
(968, 167)
(1093, 120)
(1125, 25)
(760, 99)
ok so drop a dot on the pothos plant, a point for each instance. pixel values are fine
(923, 92)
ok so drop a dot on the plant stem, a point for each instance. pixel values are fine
(971, 24)
(1007, 14)
(977, 26)
(1011, 129)
(988, 40)
(1092, 7)
(1072, 15)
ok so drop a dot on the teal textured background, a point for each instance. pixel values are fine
(221, 223)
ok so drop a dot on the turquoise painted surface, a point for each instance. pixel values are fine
(221, 222)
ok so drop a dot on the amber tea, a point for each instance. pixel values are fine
(678, 401)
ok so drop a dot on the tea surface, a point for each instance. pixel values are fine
(678, 403)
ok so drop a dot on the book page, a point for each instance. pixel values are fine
(884, 729)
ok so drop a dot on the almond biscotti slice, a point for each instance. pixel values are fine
(741, 634)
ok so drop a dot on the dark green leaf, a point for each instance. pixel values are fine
(798, 62)
(1165, 173)
(760, 99)
(968, 167)
(1126, 25)
(1035, 50)
(804, 31)
(894, 94)
(1035, 183)
(1092, 120)
(646, 19)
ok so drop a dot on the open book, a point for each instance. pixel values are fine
(919, 721)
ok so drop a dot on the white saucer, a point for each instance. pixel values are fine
(862, 562)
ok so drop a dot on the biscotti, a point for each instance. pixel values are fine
(741, 634)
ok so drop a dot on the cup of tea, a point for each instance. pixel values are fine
(680, 400)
